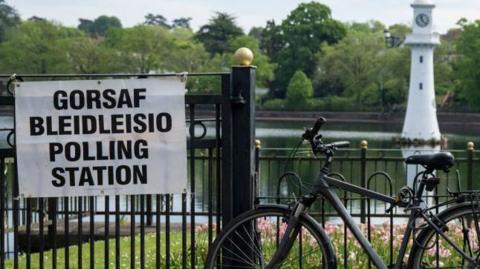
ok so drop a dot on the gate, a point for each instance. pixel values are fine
(140, 231)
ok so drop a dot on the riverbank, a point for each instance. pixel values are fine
(449, 121)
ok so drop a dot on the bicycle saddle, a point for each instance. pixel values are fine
(434, 161)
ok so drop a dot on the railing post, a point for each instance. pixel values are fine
(470, 148)
(243, 135)
(51, 211)
(239, 145)
(363, 175)
(149, 213)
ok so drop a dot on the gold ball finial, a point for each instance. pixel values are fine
(258, 143)
(243, 56)
(470, 145)
(364, 144)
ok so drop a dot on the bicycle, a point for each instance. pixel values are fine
(276, 236)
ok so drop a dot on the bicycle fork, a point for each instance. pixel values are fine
(289, 236)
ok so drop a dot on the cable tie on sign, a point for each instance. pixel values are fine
(12, 79)
(183, 76)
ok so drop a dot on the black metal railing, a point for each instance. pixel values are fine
(283, 179)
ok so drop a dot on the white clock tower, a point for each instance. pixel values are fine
(421, 123)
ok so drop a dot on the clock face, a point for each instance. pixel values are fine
(422, 20)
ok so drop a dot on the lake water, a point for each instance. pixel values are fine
(286, 134)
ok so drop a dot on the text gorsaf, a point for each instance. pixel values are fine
(125, 101)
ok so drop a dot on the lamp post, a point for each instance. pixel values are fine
(391, 41)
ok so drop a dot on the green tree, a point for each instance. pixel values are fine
(303, 32)
(400, 30)
(159, 20)
(90, 56)
(256, 32)
(37, 47)
(181, 22)
(371, 26)
(272, 40)
(360, 68)
(143, 48)
(299, 91)
(468, 63)
(99, 26)
(217, 34)
(445, 77)
(188, 54)
(85, 25)
(444, 72)
(8, 18)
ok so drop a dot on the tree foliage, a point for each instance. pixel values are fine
(156, 19)
(299, 91)
(91, 56)
(8, 18)
(272, 40)
(100, 25)
(349, 64)
(468, 65)
(216, 35)
(37, 47)
(143, 48)
(182, 22)
(360, 67)
(188, 54)
(371, 26)
(302, 33)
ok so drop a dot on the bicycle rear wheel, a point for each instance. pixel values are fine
(251, 240)
(462, 225)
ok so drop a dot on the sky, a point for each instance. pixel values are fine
(249, 13)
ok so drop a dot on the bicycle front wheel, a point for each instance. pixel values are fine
(251, 240)
(461, 225)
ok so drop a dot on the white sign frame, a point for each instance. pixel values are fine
(127, 153)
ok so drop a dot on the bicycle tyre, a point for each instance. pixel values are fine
(427, 253)
(231, 235)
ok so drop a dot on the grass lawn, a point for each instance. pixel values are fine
(125, 258)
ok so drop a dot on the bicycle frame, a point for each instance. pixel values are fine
(324, 188)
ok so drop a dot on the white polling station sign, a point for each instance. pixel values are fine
(100, 137)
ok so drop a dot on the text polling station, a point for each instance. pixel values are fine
(100, 137)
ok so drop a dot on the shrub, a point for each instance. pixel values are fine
(274, 104)
(299, 91)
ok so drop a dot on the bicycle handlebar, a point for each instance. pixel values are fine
(318, 124)
(339, 144)
(311, 133)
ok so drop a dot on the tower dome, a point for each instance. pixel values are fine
(423, 3)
